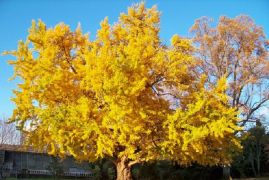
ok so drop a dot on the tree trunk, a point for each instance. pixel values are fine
(123, 169)
(258, 159)
(226, 172)
(253, 167)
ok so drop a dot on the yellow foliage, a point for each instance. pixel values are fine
(122, 94)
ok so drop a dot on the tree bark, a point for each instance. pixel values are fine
(258, 158)
(226, 172)
(123, 169)
(253, 168)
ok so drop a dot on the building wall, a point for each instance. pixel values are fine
(37, 161)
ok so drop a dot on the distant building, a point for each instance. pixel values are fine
(14, 161)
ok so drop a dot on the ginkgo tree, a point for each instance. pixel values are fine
(124, 95)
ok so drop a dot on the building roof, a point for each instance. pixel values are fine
(18, 148)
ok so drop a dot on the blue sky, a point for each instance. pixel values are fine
(176, 18)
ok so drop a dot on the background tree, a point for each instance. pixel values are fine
(8, 133)
(124, 96)
(55, 167)
(237, 49)
(164, 170)
(103, 169)
(253, 159)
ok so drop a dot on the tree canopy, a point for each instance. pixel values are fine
(237, 49)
